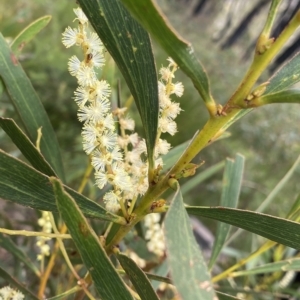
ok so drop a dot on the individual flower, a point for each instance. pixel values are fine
(72, 37)
(81, 17)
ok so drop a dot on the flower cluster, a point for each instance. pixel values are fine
(154, 235)
(46, 225)
(118, 160)
(7, 293)
(136, 167)
(92, 97)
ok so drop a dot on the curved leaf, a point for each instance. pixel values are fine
(149, 15)
(28, 33)
(8, 244)
(27, 148)
(29, 106)
(273, 228)
(292, 264)
(24, 185)
(107, 281)
(222, 296)
(188, 270)
(232, 181)
(129, 45)
(287, 96)
(266, 203)
(287, 75)
(138, 278)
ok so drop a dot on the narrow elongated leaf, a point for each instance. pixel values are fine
(8, 244)
(232, 181)
(24, 185)
(188, 270)
(266, 203)
(286, 76)
(149, 15)
(273, 228)
(160, 270)
(138, 278)
(292, 264)
(107, 281)
(28, 33)
(279, 186)
(16, 284)
(222, 296)
(66, 293)
(26, 146)
(29, 106)
(252, 293)
(159, 278)
(287, 96)
(129, 45)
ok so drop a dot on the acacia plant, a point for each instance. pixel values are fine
(144, 247)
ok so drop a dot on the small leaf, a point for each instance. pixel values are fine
(287, 96)
(138, 278)
(222, 296)
(28, 149)
(286, 76)
(148, 14)
(160, 270)
(273, 228)
(8, 244)
(188, 270)
(129, 45)
(29, 106)
(266, 203)
(24, 185)
(16, 284)
(66, 293)
(292, 264)
(232, 181)
(107, 281)
(279, 186)
(159, 278)
(28, 33)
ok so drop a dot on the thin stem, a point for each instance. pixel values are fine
(35, 233)
(259, 64)
(63, 230)
(85, 178)
(108, 229)
(242, 262)
(271, 17)
(63, 249)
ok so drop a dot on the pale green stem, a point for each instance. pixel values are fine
(288, 96)
(259, 64)
(35, 233)
(271, 17)
(62, 248)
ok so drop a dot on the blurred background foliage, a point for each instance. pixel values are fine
(268, 137)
